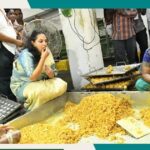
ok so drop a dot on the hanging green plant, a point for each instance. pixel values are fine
(67, 12)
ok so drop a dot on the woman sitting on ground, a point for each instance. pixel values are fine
(33, 79)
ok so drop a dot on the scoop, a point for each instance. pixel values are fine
(134, 126)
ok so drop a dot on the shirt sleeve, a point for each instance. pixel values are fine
(1, 19)
(26, 60)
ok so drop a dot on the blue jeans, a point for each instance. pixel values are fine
(142, 85)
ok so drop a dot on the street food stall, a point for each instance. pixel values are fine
(86, 116)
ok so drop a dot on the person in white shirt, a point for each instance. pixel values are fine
(10, 13)
(148, 19)
(12, 16)
(8, 46)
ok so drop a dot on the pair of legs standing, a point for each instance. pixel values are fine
(141, 38)
(125, 50)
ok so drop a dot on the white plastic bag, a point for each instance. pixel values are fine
(109, 29)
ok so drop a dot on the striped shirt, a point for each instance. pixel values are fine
(123, 24)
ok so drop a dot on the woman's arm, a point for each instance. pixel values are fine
(146, 73)
(50, 68)
(38, 70)
(146, 77)
(49, 72)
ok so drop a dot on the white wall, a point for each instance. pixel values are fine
(82, 61)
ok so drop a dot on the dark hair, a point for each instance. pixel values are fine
(33, 50)
(18, 9)
(7, 11)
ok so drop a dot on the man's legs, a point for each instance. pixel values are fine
(130, 46)
(141, 38)
(120, 52)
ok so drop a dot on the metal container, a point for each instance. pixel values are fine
(117, 70)
(141, 100)
(116, 79)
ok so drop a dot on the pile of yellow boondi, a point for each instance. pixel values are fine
(145, 115)
(94, 115)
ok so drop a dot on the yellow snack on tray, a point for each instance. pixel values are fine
(109, 69)
(116, 85)
(94, 115)
(127, 67)
(145, 115)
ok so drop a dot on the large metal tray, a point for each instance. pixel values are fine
(115, 79)
(108, 86)
(117, 70)
(141, 100)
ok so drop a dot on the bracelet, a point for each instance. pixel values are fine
(10, 137)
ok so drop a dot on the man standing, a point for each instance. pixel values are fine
(123, 35)
(8, 44)
(141, 35)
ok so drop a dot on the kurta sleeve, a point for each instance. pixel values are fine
(26, 60)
